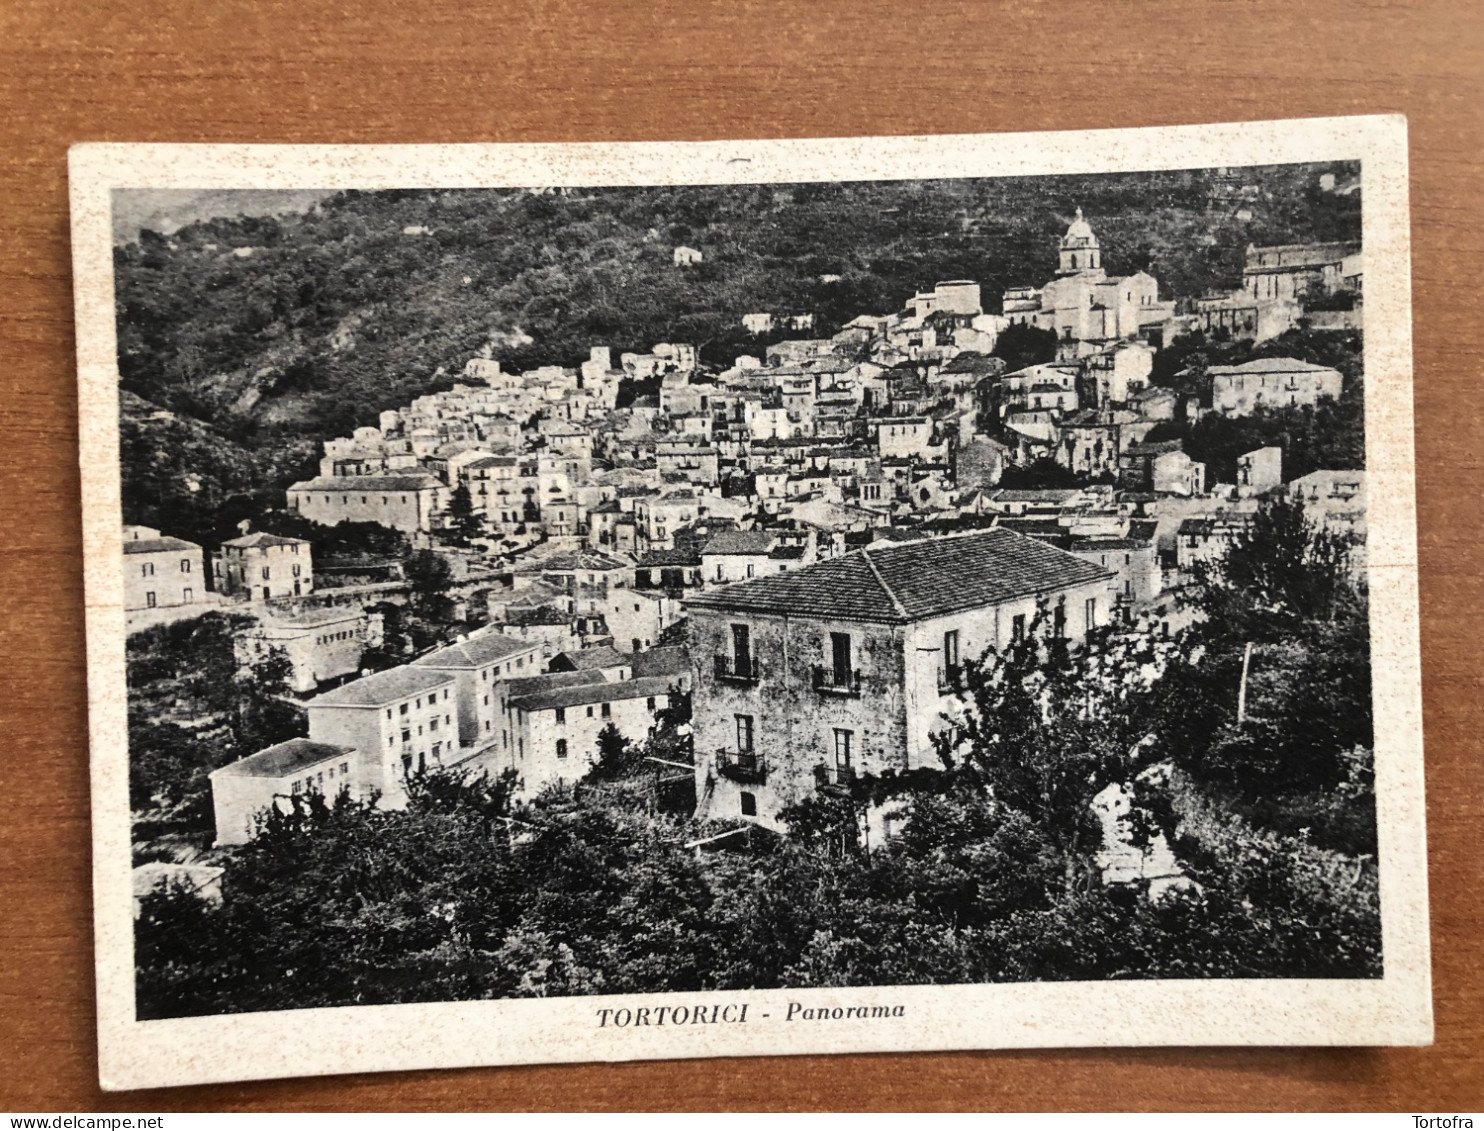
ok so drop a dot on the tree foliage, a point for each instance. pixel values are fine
(197, 702)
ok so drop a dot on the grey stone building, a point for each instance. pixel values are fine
(811, 678)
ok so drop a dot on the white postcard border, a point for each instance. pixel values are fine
(1395, 1009)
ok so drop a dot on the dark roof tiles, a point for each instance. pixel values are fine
(383, 688)
(904, 582)
(476, 652)
(590, 693)
(285, 758)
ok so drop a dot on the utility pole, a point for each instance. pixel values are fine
(1242, 690)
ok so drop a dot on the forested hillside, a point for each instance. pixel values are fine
(275, 332)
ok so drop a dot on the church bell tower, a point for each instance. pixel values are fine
(1079, 249)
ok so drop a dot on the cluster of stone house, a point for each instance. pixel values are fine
(488, 703)
(822, 525)
(1282, 285)
(822, 435)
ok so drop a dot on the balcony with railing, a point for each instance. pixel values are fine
(837, 681)
(834, 779)
(745, 767)
(731, 668)
(950, 679)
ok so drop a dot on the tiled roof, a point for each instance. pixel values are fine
(1086, 545)
(285, 758)
(569, 560)
(670, 660)
(550, 681)
(157, 545)
(975, 363)
(677, 557)
(1154, 447)
(476, 652)
(1268, 365)
(262, 538)
(739, 542)
(589, 659)
(1034, 495)
(313, 618)
(590, 693)
(382, 688)
(422, 481)
(899, 583)
(546, 615)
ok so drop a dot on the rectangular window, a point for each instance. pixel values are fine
(149, 599)
(950, 648)
(840, 657)
(561, 748)
(843, 742)
(744, 734)
(607, 710)
(1017, 627)
(432, 726)
(1059, 619)
(1090, 611)
(561, 716)
(742, 650)
(589, 712)
(266, 573)
(344, 768)
(749, 804)
(187, 595)
(402, 710)
(185, 565)
(147, 569)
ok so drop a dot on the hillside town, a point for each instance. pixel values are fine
(806, 547)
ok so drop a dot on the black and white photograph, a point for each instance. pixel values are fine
(753, 615)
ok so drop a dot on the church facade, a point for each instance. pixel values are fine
(1085, 307)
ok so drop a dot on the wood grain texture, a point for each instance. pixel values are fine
(433, 70)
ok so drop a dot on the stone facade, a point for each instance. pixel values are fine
(264, 566)
(160, 572)
(793, 695)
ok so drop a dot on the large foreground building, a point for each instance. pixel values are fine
(813, 677)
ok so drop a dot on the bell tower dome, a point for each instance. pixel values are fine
(1079, 249)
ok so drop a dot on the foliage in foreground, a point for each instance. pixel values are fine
(992, 876)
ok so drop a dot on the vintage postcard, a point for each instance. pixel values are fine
(597, 602)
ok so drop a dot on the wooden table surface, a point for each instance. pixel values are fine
(432, 70)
